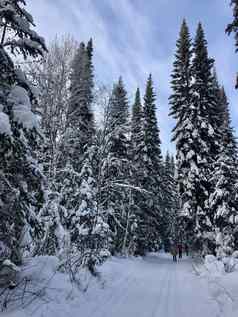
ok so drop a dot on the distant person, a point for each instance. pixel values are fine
(186, 249)
(174, 252)
(180, 251)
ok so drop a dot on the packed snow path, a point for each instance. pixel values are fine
(128, 287)
(155, 287)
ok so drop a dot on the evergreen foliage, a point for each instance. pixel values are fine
(139, 161)
(80, 119)
(154, 166)
(117, 169)
(180, 102)
(22, 182)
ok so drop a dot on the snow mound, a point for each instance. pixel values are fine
(213, 266)
(235, 255)
(40, 267)
(210, 259)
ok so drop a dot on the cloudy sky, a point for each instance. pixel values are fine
(135, 37)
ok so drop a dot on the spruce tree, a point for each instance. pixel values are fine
(116, 170)
(204, 144)
(181, 82)
(180, 102)
(223, 200)
(154, 166)
(139, 163)
(22, 183)
(88, 229)
(77, 141)
(171, 205)
(197, 142)
(80, 119)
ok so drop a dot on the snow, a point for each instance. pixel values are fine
(223, 287)
(10, 265)
(142, 287)
(5, 127)
(22, 108)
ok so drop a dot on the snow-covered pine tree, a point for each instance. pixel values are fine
(220, 111)
(80, 118)
(233, 27)
(225, 125)
(171, 229)
(203, 146)
(138, 167)
(173, 167)
(167, 180)
(89, 232)
(116, 170)
(181, 81)
(22, 183)
(89, 76)
(223, 200)
(180, 102)
(154, 166)
(77, 139)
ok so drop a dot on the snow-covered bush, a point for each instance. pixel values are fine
(214, 266)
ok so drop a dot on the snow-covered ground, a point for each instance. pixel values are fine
(223, 287)
(128, 287)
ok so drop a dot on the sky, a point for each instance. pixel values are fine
(133, 38)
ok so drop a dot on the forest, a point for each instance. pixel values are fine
(83, 180)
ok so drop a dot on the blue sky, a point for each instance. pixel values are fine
(135, 37)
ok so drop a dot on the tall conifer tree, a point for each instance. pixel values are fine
(80, 120)
(116, 169)
(139, 173)
(154, 164)
(223, 200)
(204, 143)
(180, 102)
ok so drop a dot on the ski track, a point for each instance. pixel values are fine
(157, 287)
(154, 286)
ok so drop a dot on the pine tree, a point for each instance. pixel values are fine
(80, 119)
(116, 170)
(203, 143)
(137, 134)
(180, 102)
(154, 166)
(181, 81)
(76, 142)
(223, 200)
(88, 229)
(197, 141)
(221, 112)
(22, 183)
(171, 205)
(226, 126)
(139, 163)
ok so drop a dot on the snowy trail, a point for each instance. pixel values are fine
(156, 287)
(133, 287)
